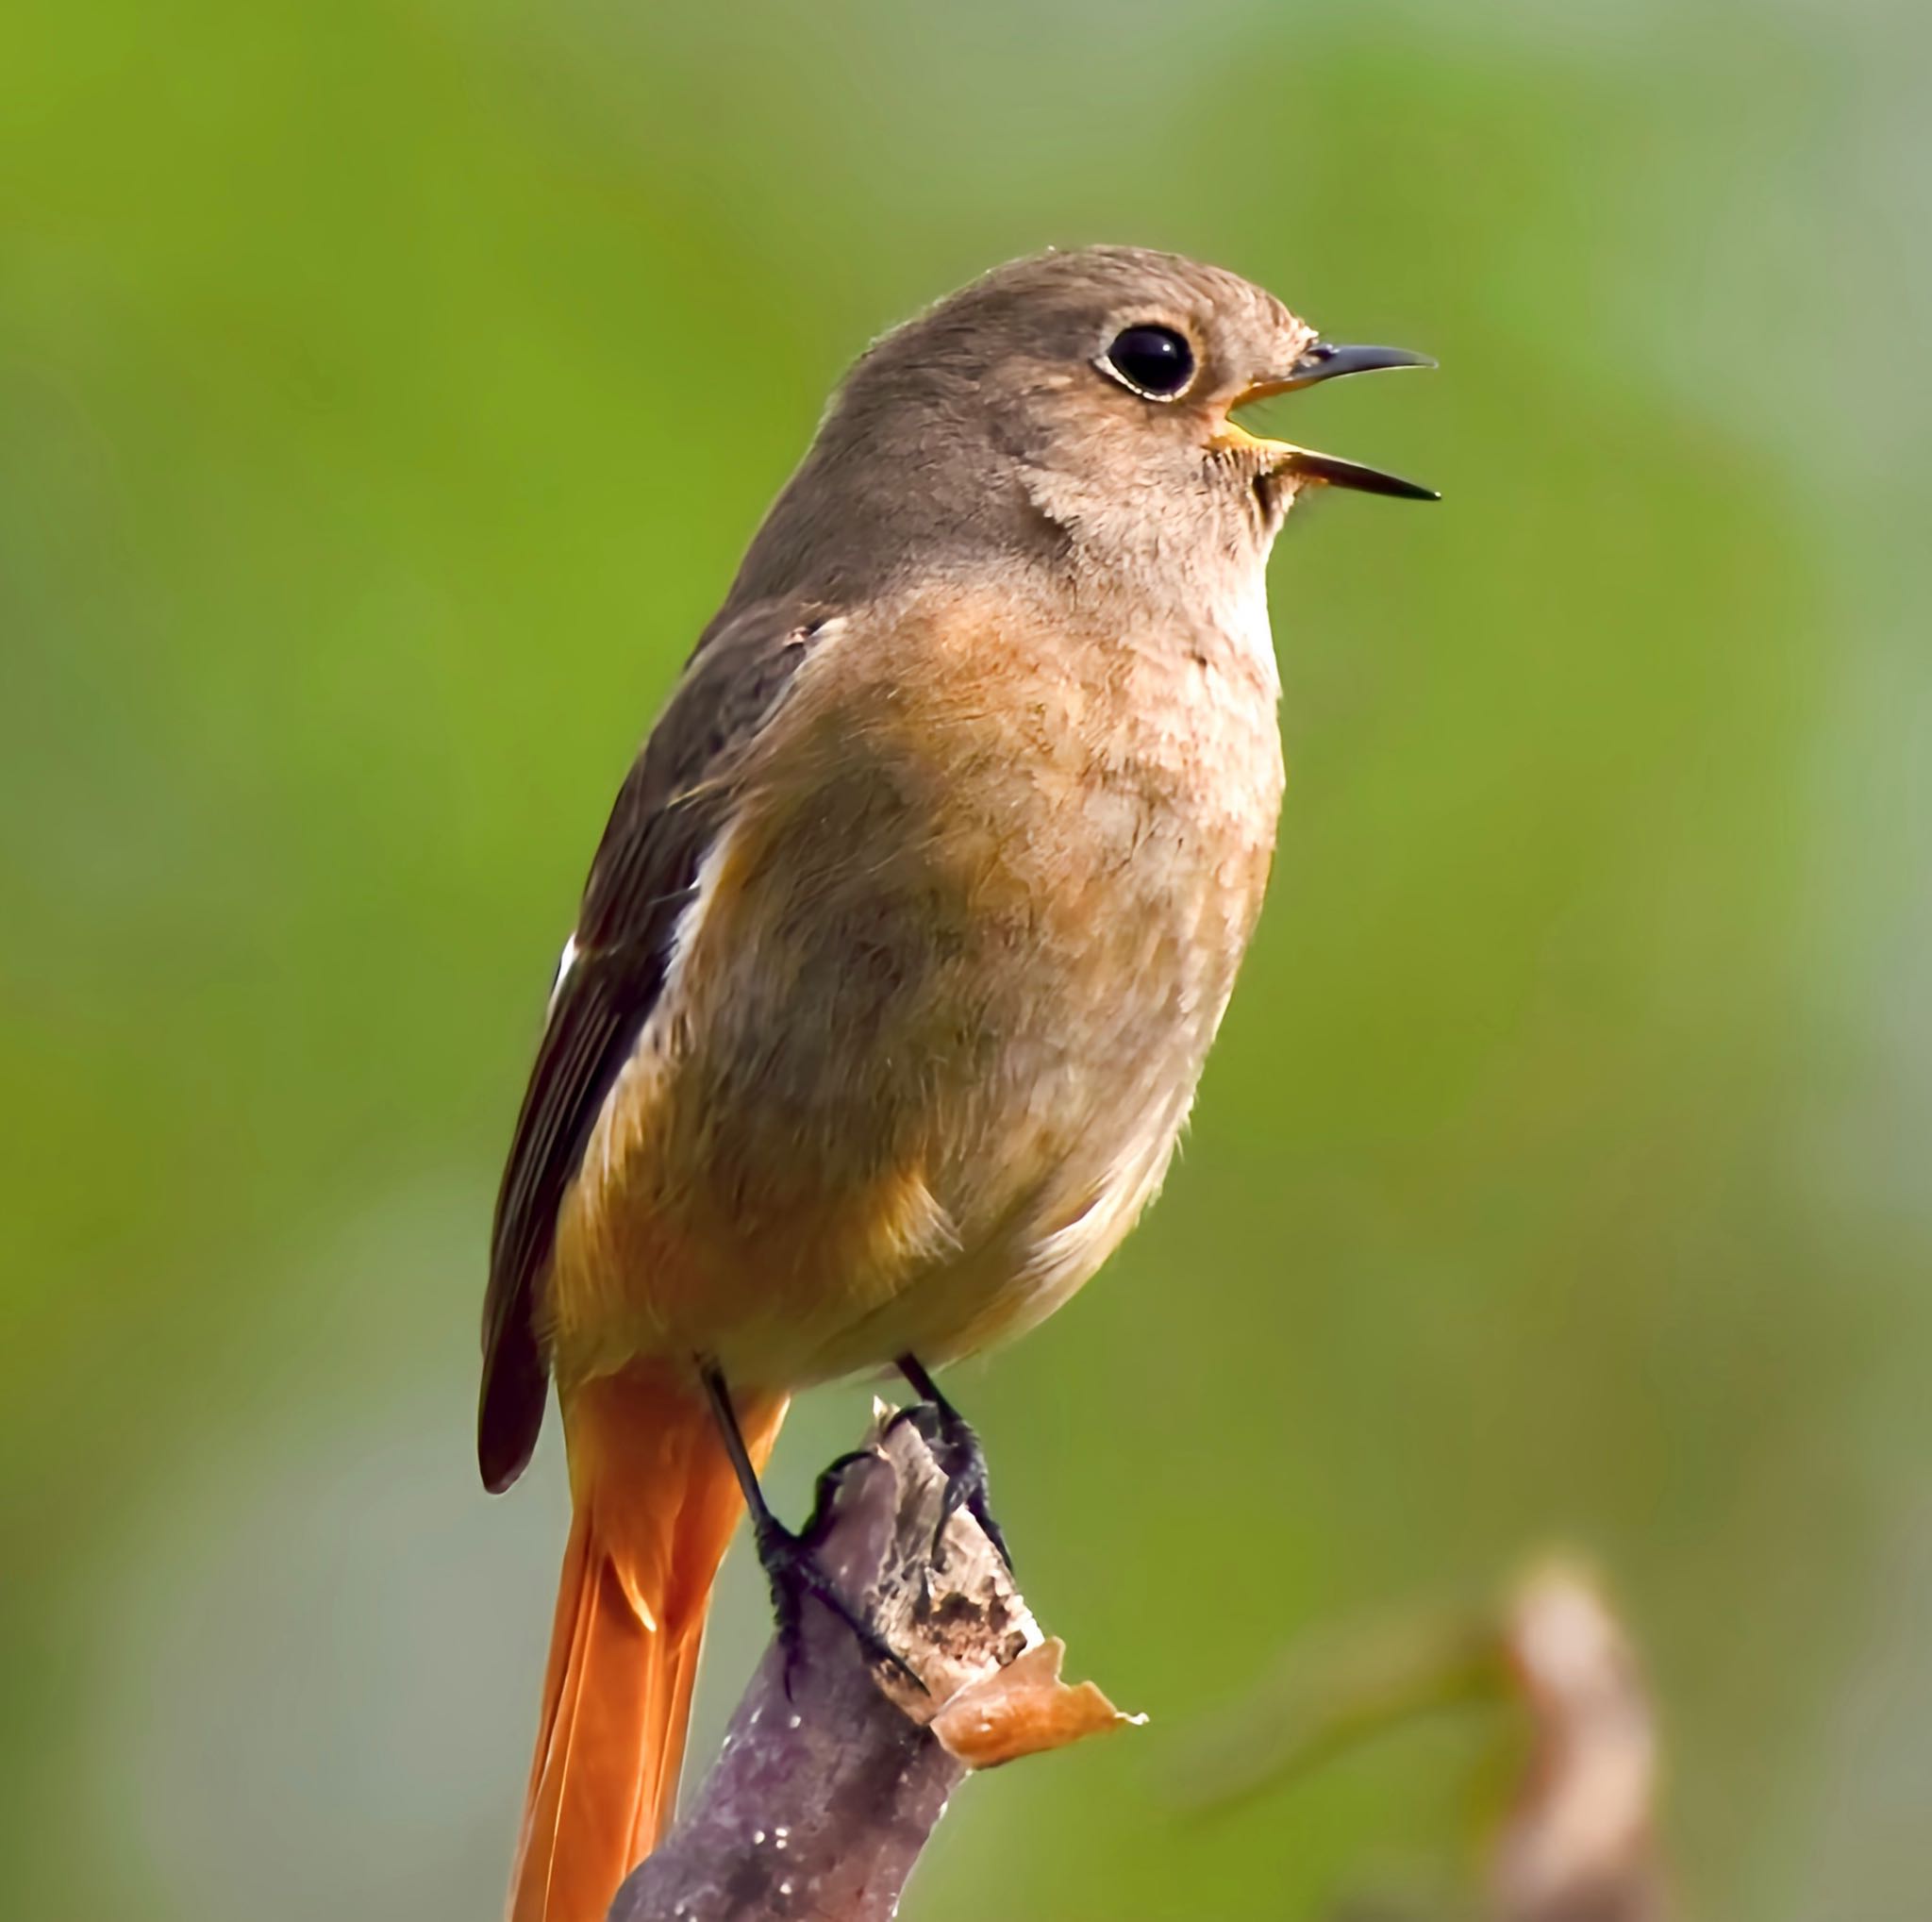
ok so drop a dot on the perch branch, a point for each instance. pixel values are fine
(832, 1777)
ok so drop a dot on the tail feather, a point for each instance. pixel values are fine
(654, 1502)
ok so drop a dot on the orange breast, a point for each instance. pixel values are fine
(937, 1014)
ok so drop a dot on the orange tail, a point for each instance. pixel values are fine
(654, 1502)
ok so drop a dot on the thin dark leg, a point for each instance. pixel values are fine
(957, 1450)
(790, 1567)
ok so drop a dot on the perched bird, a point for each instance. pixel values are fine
(901, 955)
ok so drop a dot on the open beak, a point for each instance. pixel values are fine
(1325, 361)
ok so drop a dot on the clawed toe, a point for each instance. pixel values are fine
(793, 1570)
(957, 1450)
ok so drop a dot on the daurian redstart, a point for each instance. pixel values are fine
(901, 953)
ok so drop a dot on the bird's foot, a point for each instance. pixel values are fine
(955, 1449)
(793, 1571)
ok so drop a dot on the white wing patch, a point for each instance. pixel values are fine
(565, 961)
(640, 1080)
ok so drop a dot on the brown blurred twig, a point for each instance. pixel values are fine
(1577, 1842)
(1579, 1845)
(831, 1778)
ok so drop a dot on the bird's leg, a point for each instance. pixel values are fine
(957, 1450)
(790, 1563)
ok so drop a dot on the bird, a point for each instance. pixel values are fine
(900, 957)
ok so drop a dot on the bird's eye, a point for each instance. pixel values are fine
(1153, 361)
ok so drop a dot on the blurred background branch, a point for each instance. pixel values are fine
(1580, 1842)
(1575, 1839)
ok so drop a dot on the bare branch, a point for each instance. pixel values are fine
(826, 1791)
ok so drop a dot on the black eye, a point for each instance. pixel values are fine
(1154, 362)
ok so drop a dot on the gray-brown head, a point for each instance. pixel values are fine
(1071, 406)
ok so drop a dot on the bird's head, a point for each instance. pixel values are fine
(1090, 392)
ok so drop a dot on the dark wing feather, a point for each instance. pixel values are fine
(669, 812)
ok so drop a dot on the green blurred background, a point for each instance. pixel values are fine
(386, 391)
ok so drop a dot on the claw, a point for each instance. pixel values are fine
(793, 1572)
(955, 1449)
